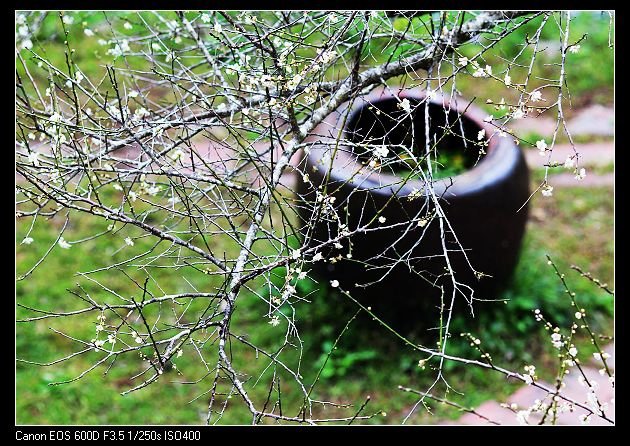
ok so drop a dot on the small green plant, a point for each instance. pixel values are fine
(338, 362)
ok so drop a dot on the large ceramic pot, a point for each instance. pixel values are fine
(484, 205)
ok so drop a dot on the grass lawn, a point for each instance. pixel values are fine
(574, 227)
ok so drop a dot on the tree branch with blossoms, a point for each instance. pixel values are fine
(191, 134)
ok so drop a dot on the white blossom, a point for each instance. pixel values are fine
(153, 190)
(274, 321)
(535, 96)
(581, 174)
(507, 79)
(542, 146)
(205, 17)
(27, 241)
(120, 48)
(136, 337)
(405, 105)
(573, 351)
(481, 134)
(334, 283)
(556, 340)
(68, 20)
(522, 416)
(381, 151)
(141, 112)
(317, 257)
(266, 81)
(88, 32)
(480, 72)
(381, 219)
(574, 48)
(217, 27)
(129, 242)
(569, 162)
(518, 113)
(328, 56)
(128, 25)
(177, 154)
(296, 254)
(33, 158)
(63, 243)
(415, 193)
(294, 82)
(463, 61)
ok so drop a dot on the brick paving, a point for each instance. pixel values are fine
(594, 120)
(527, 395)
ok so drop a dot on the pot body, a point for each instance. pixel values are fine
(484, 209)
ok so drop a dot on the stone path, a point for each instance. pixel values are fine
(594, 120)
(591, 155)
(527, 395)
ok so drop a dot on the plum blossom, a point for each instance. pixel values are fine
(405, 105)
(381, 151)
(581, 174)
(535, 96)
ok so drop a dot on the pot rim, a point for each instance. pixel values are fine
(500, 152)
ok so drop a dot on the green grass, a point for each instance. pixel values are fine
(362, 364)
(590, 71)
